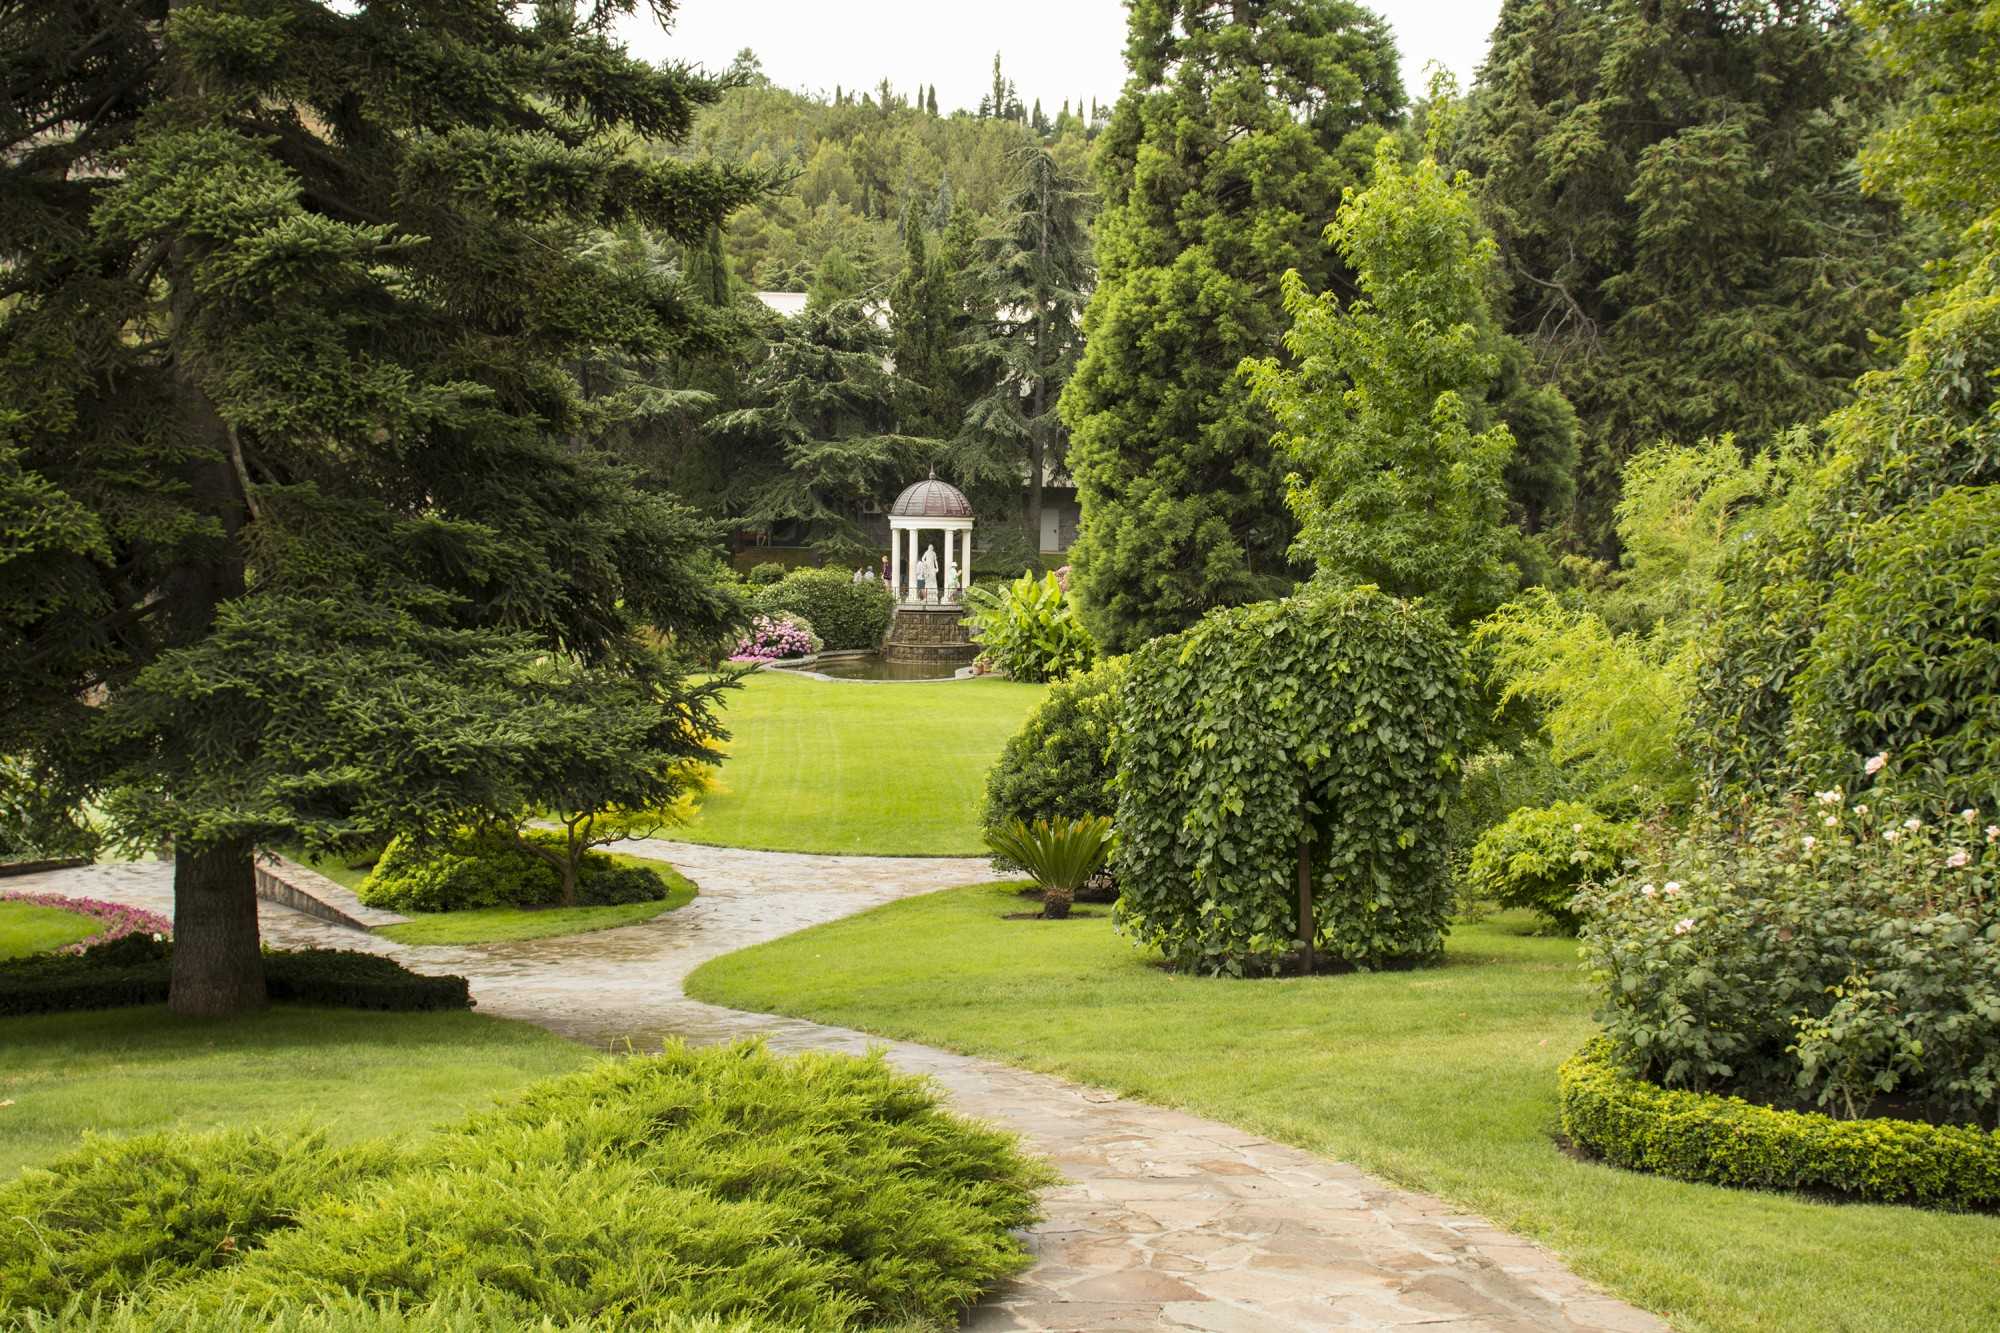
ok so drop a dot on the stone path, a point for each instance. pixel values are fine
(1167, 1220)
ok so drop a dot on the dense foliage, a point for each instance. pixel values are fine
(1328, 725)
(1674, 190)
(1728, 1141)
(843, 613)
(1237, 130)
(819, 1191)
(1030, 628)
(138, 969)
(492, 869)
(1539, 857)
(776, 638)
(1829, 954)
(1383, 404)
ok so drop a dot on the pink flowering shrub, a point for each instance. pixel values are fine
(775, 638)
(117, 919)
(1827, 953)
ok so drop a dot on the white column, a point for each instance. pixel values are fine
(965, 565)
(913, 564)
(950, 559)
(896, 563)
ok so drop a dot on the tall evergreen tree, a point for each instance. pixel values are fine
(303, 528)
(925, 311)
(1674, 188)
(1035, 277)
(1224, 160)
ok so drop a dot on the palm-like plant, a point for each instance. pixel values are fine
(1060, 853)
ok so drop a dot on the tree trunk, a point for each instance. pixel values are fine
(1037, 452)
(569, 879)
(218, 967)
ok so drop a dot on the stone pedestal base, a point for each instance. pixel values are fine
(929, 634)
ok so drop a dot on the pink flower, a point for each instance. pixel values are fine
(1673, 886)
(1831, 820)
(1809, 842)
(1646, 890)
(1890, 835)
(1969, 815)
(1860, 809)
(1959, 858)
(1876, 763)
(1684, 925)
(1993, 833)
(1913, 823)
(1831, 796)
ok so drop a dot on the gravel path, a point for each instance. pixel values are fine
(1167, 1220)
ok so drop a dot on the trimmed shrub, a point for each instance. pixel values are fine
(138, 970)
(1540, 858)
(1718, 1140)
(845, 614)
(769, 572)
(1826, 954)
(819, 1191)
(487, 868)
(1030, 629)
(119, 1213)
(1058, 765)
(1335, 719)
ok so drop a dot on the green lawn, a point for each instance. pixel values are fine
(1442, 1079)
(26, 928)
(896, 769)
(495, 924)
(125, 1071)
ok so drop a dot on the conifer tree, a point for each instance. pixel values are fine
(304, 529)
(1036, 270)
(924, 314)
(1674, 189)
(1224, 159)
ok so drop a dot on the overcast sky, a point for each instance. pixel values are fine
(1052, 49)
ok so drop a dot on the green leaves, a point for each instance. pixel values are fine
(1031, 630)
(1059, 854)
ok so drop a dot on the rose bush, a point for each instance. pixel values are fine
(1830, 952)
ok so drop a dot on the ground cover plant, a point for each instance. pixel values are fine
(1443, 1080)
(820, 1191)
(31, 928)
(130, 1071)
(855, 768)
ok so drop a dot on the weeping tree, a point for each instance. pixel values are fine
(1036, 277)
(303, 532)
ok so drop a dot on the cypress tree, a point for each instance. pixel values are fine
(303, 527)
(1224, 159)
(1674, 189)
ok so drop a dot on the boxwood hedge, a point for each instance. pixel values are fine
(1720, 1140)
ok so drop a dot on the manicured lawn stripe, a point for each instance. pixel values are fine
(26, 928)
(1443, 1080)
(856, 768)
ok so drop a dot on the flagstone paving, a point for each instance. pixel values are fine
(1167, 1220)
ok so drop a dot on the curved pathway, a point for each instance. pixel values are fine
(1167, 1220)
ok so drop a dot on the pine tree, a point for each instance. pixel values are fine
(1674, 189)
(997, 97)
(924, 310)
(1224, 159)
(1035, 274)
(304, 530)
(930, 100)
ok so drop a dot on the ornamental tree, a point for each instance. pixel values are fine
(303, 531)
(1239, 126)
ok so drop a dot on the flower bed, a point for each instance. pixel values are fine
(776, 638)
(117, 919)
(1720, 1140)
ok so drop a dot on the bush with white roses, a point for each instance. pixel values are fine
(1830, 953)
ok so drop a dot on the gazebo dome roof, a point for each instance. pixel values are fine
(931, 498)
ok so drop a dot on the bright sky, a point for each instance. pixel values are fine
(1051, 49)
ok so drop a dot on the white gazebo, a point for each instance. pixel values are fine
(939, 508)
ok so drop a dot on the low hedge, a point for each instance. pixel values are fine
(137, 970)
(1720, 1140)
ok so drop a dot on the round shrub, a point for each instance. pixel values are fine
(845, 614)
(782, 637)
(1058, 765)
(1720, 1140)
(1907, 660)
(1030, 629)
(1539, 858)
(489, 869)
(1825, 954)
(768, 572)
(1336, 719)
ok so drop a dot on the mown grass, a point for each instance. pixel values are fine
(1443, 1080)
(127, 1071)
(494, 925)
(855, 768)
(26, 928)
